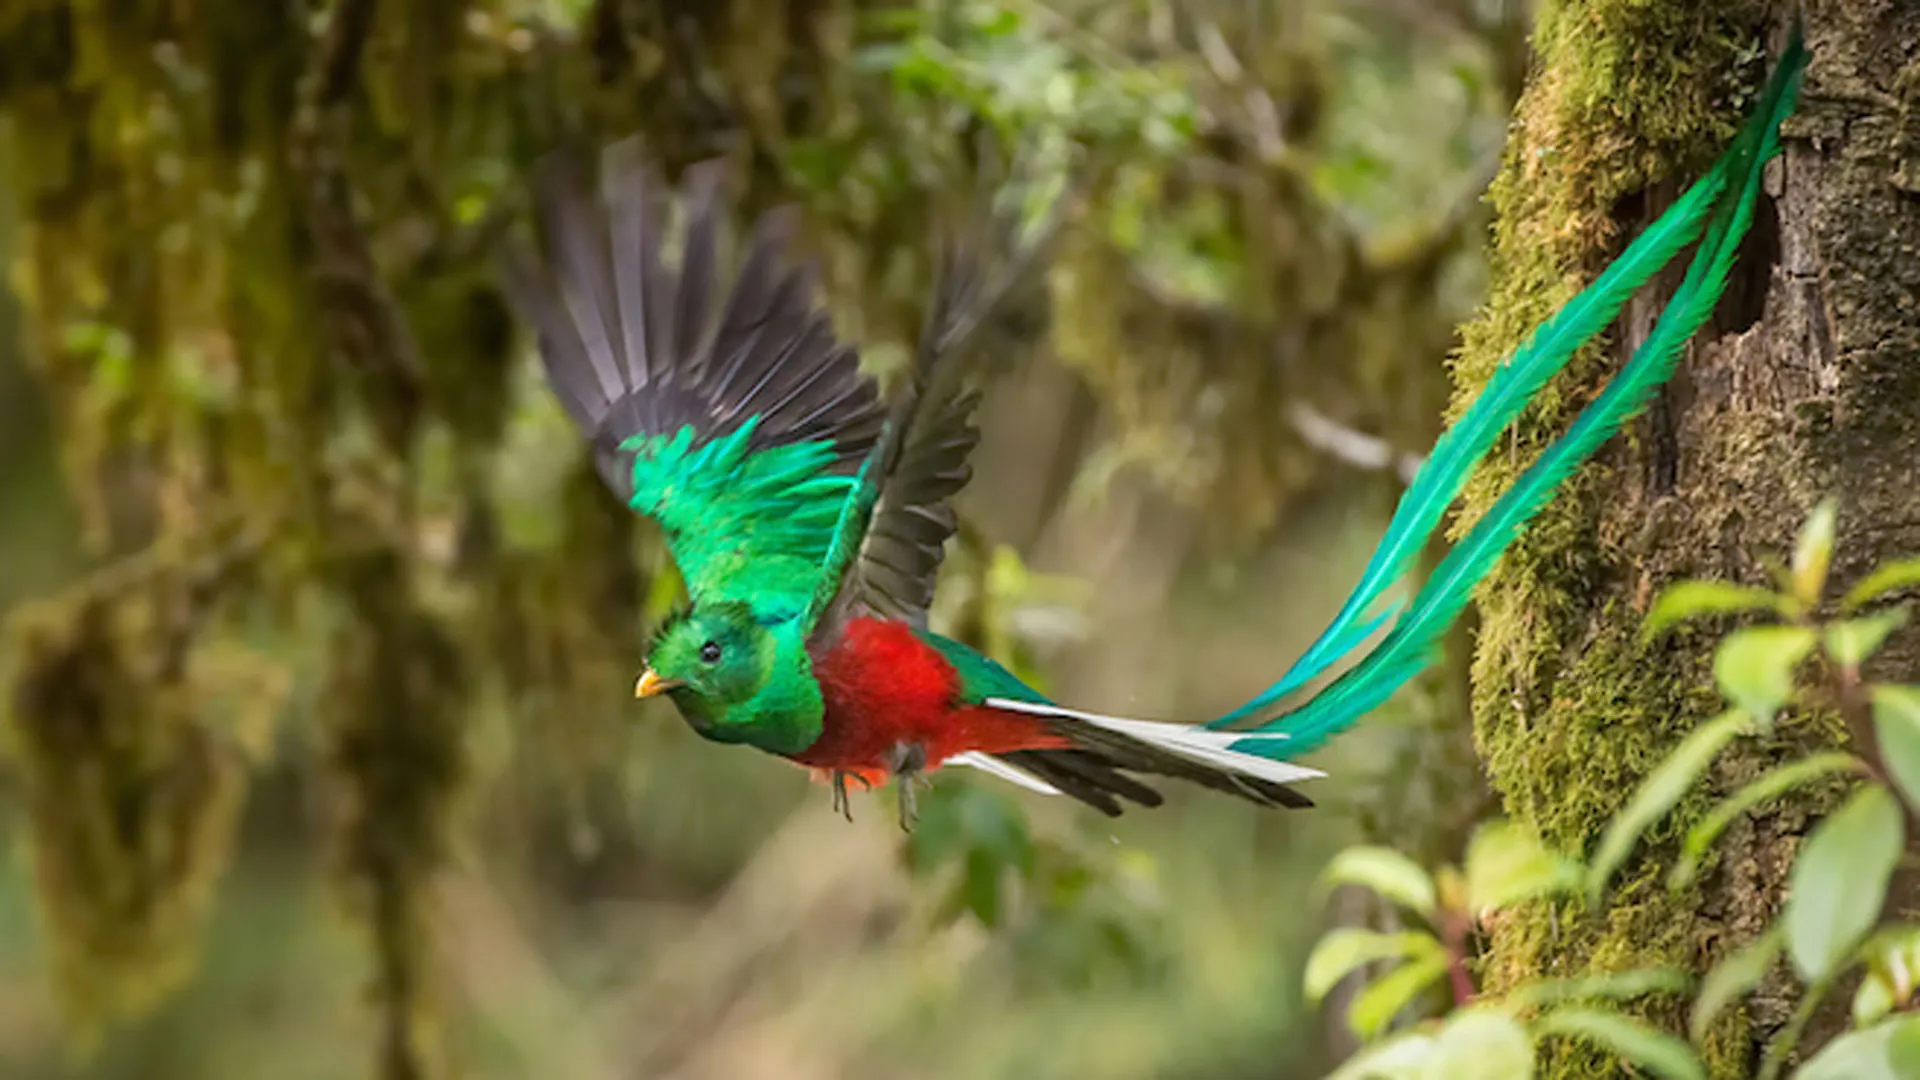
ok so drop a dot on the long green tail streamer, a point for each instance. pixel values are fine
(1722, 203)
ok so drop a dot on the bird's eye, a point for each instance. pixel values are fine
(710, 652)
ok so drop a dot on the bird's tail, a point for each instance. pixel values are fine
(1103, 750)
(1252, 761)
(1721, 204)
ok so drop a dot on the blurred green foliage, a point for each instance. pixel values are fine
(355, 616)
(1782, 680)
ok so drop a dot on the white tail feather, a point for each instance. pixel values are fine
(1190, 742)
(1004, 771)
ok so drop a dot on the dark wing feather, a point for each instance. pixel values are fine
(633, 346)
(905, 542)
(920, 462)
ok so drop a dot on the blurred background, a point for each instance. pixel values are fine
(317, 751)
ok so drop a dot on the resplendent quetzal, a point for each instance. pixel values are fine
(808, 517)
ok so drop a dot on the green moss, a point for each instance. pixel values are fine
(131, 793)
(396, 751)
(1571, 707)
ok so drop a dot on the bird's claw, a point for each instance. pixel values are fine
(908, 785)
(908, 763)
(841, 804)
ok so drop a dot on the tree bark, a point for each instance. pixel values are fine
(1806, 383)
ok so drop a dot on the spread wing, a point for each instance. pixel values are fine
(918, 465)
(725, 409)
(893, 534)
(899, 559)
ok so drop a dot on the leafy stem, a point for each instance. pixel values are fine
(1454, 927)
(1850, 694)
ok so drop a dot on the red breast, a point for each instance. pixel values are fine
(885, 687)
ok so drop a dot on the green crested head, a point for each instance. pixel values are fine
(735, 677)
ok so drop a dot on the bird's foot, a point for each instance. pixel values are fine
(908, 764)
(842, 804)
(909, 784)
(909, 812)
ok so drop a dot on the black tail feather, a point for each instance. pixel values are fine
(1096, 772)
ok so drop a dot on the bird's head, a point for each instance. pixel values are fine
(735, 678)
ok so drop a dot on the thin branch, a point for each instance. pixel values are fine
(1356, 448)
(1455, 925)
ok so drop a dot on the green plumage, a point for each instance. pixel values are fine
(981, 677)
(1461, 447)
(791, 497)
(743, 524)
(1729, 192)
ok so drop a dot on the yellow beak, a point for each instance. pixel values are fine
(651, 684)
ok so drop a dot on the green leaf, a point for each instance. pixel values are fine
(1637, 1042)
(1886, 1051)
(1692, 599)
(1657, 795)
(1851, 641)
(1769, 785)
(1896, 950)
(1481, 1044)
(1376, 1006)
(1885, 578)
(1896, 726)
(982, 831)
(1838, 881)
(1386, 872)
(1904, 1049)
(1344, 951)
(980, 887)
(1893, 964)
(1754, 666)
(938, 838)
(1872, 1001)
(1731, 978)
(1506, 864)
(1451, 886)
(1813, 554)
(1621, 986)
(1403, 1057)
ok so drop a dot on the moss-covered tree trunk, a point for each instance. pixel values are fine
(1806, 383)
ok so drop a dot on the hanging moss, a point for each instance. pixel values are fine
(394, 701)
(131, 794)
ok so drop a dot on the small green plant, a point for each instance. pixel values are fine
(1065, 913)
(1831, 926)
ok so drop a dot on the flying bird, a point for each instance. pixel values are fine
(807, 513)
